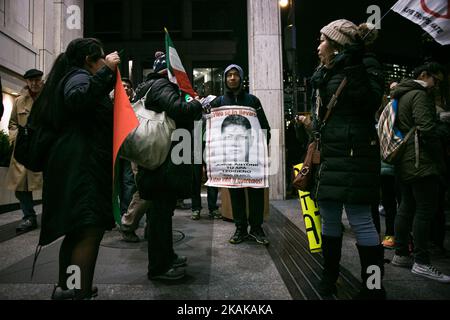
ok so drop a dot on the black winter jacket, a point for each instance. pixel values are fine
(77, 181)
(350, 162)
(172, 178)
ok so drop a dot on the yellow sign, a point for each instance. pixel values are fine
(311, 217)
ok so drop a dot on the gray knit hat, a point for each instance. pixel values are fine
(341, 31)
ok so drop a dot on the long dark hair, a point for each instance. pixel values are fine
(45, 109)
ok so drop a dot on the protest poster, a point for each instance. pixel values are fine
(236, 149)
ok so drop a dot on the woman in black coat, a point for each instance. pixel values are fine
(348, 175)
(77, 186)
(171, 180)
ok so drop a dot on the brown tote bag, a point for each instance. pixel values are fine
(304, 179)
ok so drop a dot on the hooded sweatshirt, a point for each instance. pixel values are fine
(241, 98)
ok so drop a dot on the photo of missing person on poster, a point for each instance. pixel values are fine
(236, 151)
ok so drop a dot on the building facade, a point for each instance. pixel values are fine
(32, 34)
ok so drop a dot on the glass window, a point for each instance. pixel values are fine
(208, 81)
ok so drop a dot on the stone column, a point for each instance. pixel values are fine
(266, 81)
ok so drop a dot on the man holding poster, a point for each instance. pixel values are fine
(237, 134)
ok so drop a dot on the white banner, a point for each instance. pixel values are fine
(432, 15)
(236, 149)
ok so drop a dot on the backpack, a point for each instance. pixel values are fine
(392, 140)
(148, 145)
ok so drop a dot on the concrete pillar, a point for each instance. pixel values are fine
(266, 81)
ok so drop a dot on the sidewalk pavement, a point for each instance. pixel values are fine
(217, 270)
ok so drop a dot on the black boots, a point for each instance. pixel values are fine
(372, 272)
(331, 251)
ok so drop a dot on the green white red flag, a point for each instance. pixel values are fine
(175, 68)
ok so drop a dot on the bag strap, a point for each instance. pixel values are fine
(333, 100)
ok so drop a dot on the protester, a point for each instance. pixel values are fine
(348, 176)
(420, 169)
(390, 198)
(126, 176)
(234, 94)
(77, 178)
(211, 192)
(136, 210)
(20, 179)
(164, 185)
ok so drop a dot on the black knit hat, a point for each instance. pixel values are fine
(160, 63)
(33, 73)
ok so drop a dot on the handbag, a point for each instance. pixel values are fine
(149, 143)
(32, 146)
(304, 180)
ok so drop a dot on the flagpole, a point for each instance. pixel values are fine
(390, 9)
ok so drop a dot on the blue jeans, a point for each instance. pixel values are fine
(127, 185)
(359, 216)
(26, 204)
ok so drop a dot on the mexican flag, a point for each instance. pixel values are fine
(124, 122)
(175, 68)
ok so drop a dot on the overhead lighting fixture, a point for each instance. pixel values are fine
(283, 3)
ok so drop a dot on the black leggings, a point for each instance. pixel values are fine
(80, 248)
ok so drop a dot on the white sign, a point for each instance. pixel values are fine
(432, 15)
(236, 149)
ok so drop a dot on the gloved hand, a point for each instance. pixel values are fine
(195, 109)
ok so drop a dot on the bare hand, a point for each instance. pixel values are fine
(112, 60)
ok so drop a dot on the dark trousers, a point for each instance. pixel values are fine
(127, 185)
(26, 204)
(212, 198)
(438, 223)
(160, 242)
(256, 207)
(419, 205)
(389, 201)
(197, 173)
(196, 190)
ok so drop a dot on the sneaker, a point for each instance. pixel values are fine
(259, 236)
(179, 261)
(171, 274)
(430, 272)
(215, 214)
(27, 225)
(402, 261)
(68, 294)
(195, 215)
(388, 242)
(239, 236)
(130, 236)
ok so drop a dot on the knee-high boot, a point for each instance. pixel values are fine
(372, 287)
(331, 251)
